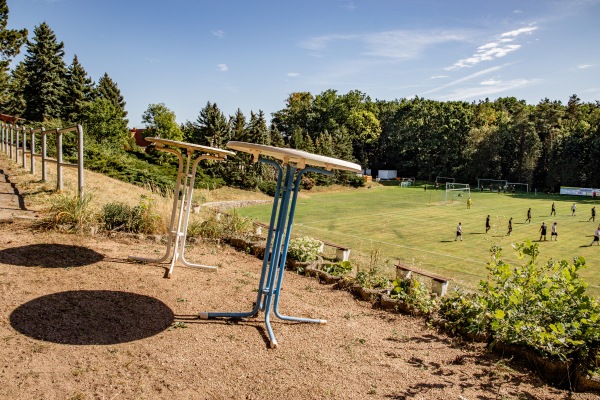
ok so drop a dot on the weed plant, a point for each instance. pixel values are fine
(71, 211)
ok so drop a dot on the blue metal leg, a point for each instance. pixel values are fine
(278, 238)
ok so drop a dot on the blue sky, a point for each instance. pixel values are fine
(252, 54)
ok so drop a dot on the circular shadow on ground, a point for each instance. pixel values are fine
(92, 317)
(49, 256)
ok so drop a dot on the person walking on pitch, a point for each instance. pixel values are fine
(487, 224)
(596, 237)
(573, 208)
(554, 233)
(593, 217)
(543, 231)
(509, 226)
(553, 211)
(528, 215)
(458, 232)
(469, 202)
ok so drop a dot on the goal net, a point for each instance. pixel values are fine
(493, 185)
(518, 187)
(457, 192)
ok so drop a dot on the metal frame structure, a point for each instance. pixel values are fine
(289, 175)
(10, 140)
(182, 197)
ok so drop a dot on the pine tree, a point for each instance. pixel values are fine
(108, 89)
(16, 103)
(79, 91)
(213, 129)
(276, 137)
(256, 131)
(11, 41)
(237, 125)
(46, 75)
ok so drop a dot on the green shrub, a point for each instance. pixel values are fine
(337, 269)
(224, 226)
(72, 211)
(539, 306)
(304, 249)
(268, 187)
(138, 219)
(415, 293)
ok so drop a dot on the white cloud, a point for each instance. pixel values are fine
(397, 45)
(486, 90)
(501, 47)
(350, 6)
(293, 74)
(218, 33)
(584, 66)
(439, 76)
(518, 32)
(222, 67)
(466, 78)
(490, 82)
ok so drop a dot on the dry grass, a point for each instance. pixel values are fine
(104, 190)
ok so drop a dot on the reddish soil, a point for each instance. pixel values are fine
(79, 321)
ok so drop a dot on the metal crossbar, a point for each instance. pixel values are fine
(11, 145)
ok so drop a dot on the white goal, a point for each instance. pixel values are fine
(518, 187)
(457, 192)
(492, 185)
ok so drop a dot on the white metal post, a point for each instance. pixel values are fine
(59, 180)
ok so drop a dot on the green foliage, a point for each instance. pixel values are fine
(138, 219)
(46, 75)
(304, 249)
(223, 226)
(540, 306)
(72, 211)
(339, 268)
(161, 121)
(103, 123)
(414, 293)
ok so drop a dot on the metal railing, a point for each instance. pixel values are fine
(12, 146)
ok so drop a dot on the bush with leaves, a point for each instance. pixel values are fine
(337, 269)
(71, 210)
(540, 306)
(223, 226)
(304, 249)
(138, 219)
(415, 293)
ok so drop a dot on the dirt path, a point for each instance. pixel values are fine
(79, 321)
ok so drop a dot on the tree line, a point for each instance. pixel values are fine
(546, 145)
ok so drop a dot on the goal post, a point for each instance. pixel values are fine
(491, 184)
(440, 180)
(518, 187)
(457, 192)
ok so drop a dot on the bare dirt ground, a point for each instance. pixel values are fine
(80, 321)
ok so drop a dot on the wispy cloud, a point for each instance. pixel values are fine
(293, 74)
(397, 45)
(223, 67)
(500, 47)
(466, 78)
(584, 66)
(152, 60)
(350, 6)
(218, 33)
(439, 76)
(485, 90)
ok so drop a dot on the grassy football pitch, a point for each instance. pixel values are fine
(416, 227)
